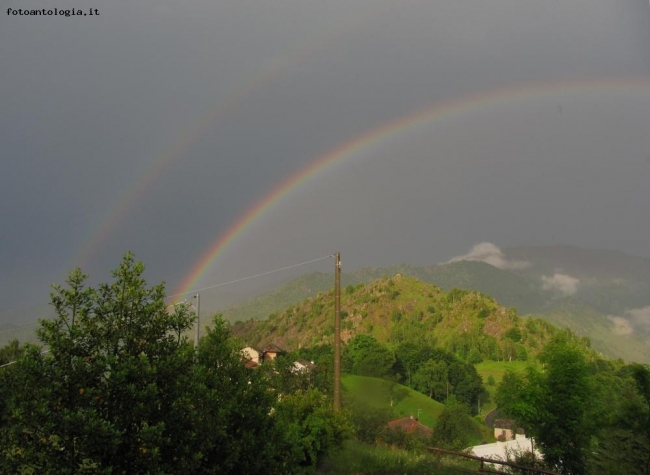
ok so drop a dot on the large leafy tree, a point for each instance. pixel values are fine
(453, 427)
(555, 406)
(365, 356)
(409, 356)
(432, 378)
(307, 428)
(118, 389)
(566, 431)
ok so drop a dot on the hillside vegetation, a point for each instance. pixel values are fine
(606, 299)
(470, 325)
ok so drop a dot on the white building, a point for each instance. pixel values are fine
(251, 354)
(500, 450)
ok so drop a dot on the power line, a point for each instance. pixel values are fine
(251, 276)
(12, 362)
(219, 285)
(14, 329)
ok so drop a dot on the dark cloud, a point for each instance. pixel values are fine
(90, 106)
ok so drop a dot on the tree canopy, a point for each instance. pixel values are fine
(117, 388)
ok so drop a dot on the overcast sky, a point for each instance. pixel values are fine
(156, 125)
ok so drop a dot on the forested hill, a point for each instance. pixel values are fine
(606, 301)
(470, 325)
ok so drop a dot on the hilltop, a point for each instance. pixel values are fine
(395, 309)
(603, 295)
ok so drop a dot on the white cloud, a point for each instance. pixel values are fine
(490, 254)
(565, 284)
(640, 316)
(622, 326)
(634, 317)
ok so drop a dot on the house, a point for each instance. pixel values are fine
(410, 425)
(504, 429)
(501, 450)
(251, 354)
(302, 366)
(270, 352)
(253, 357)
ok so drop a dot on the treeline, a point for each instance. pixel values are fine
(432, 371)
(588, 415)
(120, 390)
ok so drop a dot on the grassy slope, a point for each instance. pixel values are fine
(406, 402)
(496, 369)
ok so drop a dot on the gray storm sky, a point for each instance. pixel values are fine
(170, 120)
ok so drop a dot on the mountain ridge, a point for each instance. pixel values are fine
(598, 305)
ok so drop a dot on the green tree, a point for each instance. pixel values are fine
(120, 390)
(641, 375)
(365, 356)
(465, 383)
(453, 427)
(408, 358)
(286, 378)
(10, 352)
(432, 378)
(566, 432)
(307, 428)
(223, 424)
(368, 420)
(554, 406)
(322, 375)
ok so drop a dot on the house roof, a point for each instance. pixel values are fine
(250, 352)
(273, 348)
(500, 450)
(410, 425)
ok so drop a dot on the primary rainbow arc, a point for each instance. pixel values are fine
(352, 147)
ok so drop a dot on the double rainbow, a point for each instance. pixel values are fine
(353, 147)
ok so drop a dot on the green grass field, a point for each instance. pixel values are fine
(380, 392)
(497, 369)
(383, 393)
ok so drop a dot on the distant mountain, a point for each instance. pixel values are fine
(601, 264)
(507, 287)
(604, 295)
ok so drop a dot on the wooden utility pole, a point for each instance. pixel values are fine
(198, 320)
(337, 331)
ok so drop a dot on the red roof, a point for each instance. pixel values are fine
(410, 425)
